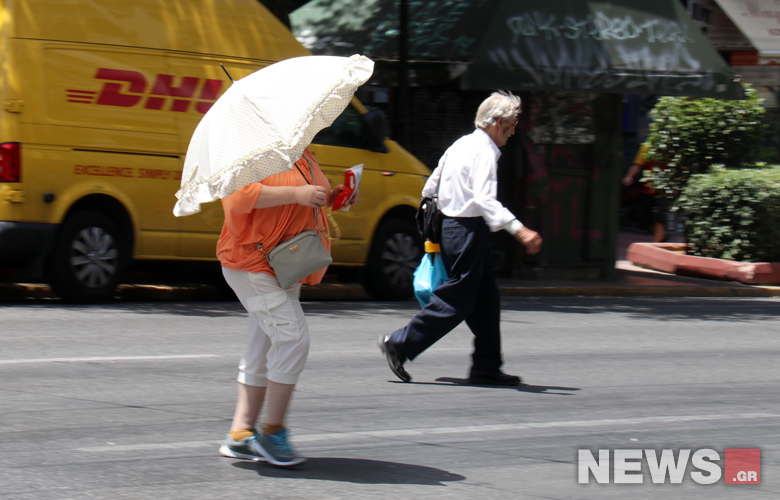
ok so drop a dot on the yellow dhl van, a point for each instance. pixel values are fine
(100, 99)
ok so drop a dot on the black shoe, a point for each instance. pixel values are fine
(395, 359)
(493, 378)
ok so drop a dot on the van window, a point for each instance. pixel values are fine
(349, 130)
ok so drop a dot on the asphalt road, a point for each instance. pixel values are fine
(131, 400)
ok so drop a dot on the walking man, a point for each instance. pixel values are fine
(467, 199)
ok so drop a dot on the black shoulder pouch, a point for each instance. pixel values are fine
(428, 220)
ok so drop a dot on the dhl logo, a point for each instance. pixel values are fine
(129, 88)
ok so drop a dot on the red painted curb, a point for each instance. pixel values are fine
(669, 258)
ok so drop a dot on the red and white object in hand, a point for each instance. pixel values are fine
(348, 196)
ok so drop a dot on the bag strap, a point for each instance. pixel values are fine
(327, 213)
(316, 217)
(311, 172)
(438, 182)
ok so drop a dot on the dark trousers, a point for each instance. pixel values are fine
(470, 294)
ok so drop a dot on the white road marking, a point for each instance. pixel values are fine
(105, 358)
(401, 433)
(149, 446)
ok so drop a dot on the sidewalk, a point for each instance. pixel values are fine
(632, 281)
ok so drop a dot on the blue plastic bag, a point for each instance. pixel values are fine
(428, 276)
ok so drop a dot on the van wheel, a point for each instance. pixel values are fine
(88, 259)
(395, 253)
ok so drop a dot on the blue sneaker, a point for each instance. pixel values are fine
(276, 449)
(246, 449)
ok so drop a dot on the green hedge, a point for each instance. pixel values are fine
(734, 214)
(689, 134)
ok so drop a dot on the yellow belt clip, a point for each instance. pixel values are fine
(431, 247)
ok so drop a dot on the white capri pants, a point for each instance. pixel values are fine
(277, 344)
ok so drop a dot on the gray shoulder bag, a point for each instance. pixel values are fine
(303, 254)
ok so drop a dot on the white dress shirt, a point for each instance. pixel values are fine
(469, 182)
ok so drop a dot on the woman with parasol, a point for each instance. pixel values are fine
(251, 151)
(270, 211)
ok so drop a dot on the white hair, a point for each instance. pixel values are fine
(500, 104)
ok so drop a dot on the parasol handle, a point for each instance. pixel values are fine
(336, 228)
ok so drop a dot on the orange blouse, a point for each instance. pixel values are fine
(245, 225)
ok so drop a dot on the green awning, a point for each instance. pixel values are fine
(629, 46)
(624, 46)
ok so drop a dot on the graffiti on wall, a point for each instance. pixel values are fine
(559, 148)
(561, 197)
(648, 55)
